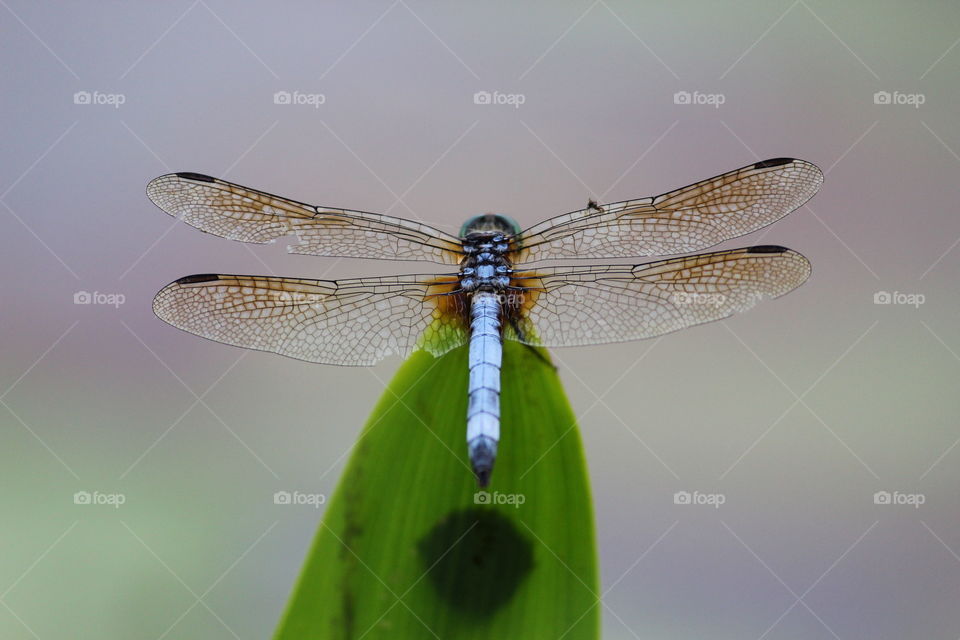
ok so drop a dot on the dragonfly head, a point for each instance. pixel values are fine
(490, 222)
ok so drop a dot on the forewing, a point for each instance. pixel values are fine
(688, 219)
(231, 211)
(347, 322)
(571, 306)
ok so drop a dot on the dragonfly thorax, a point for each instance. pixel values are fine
(485, 266)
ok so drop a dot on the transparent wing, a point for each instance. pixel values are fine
(688, 219)
(570, 306)
(346, 322)
(231, 211)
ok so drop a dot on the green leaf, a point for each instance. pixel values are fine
(405, 550)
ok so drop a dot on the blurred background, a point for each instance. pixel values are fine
(139, 462)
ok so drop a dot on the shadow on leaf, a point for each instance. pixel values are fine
(475, 559)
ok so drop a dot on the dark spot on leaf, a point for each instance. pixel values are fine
(475, 559)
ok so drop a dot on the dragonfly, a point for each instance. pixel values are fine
(497, 287)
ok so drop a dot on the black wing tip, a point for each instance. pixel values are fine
(773, 162)
(198, 278)
(768, 248)
(199, 177)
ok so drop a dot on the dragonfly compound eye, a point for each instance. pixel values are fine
(504, 225)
